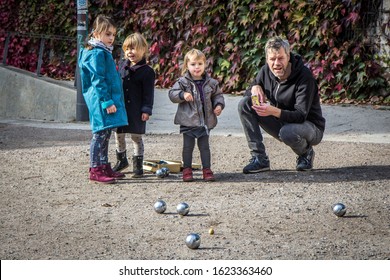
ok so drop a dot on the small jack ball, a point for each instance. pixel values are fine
(339, 209)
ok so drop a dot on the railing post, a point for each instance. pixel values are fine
(40, 58)
(5, 51)
(82, 27)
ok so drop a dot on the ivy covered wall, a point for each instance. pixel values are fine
(331, 35)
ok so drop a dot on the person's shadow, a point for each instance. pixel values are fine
(325, 175)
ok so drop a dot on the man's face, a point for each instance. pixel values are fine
(277, 61)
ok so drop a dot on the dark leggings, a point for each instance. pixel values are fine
(99, 148)
(204, 149)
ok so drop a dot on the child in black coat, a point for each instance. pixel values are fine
(138, 86)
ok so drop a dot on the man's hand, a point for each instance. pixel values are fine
(265, 110)
(257, 90)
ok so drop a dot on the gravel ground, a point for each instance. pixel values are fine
(51, 211)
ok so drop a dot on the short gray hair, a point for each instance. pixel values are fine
(276, 43)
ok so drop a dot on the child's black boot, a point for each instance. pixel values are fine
(122, 162)
(138, 166)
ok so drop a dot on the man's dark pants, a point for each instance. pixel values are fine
(298, 136)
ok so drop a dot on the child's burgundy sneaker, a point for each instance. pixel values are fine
(111, 173)
(187, 175)
(98, 175)
(208, 175)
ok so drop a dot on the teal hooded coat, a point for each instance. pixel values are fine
(101, 87)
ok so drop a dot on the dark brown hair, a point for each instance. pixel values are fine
(101, 24)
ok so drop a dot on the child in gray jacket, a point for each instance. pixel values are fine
(200, 101)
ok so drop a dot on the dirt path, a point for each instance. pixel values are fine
(51, 211)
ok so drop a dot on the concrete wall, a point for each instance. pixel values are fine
(23, 95)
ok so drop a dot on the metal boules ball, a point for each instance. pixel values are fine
(183, 209)
(193, 241)
(160, 173)
(339, 209)
(166, 171)
(160, 206)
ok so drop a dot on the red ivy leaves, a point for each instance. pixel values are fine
(232, 33)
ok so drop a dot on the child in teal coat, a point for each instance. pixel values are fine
(103, 94)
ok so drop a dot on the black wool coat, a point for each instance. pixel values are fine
(138, 89)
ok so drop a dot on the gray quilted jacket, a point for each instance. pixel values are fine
(190, 114)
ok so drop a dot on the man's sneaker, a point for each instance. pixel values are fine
(305, 162)
(187, 175)
(257, 164)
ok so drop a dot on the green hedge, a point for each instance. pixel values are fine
(327, 33)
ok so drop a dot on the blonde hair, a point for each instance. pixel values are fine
(136, 41)
(194, 54)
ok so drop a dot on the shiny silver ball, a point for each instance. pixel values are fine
(160, 206)
(183, 209)
(193, 241)
(160, 173)
(339, 209)
(166, 171)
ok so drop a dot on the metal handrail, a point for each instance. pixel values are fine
(37, 35)
(43, 37)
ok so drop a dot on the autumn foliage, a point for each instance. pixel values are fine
(331, 35)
